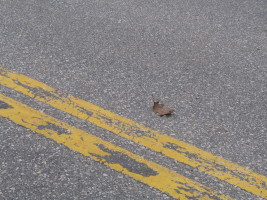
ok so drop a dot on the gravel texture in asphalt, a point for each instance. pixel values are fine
(205, 59)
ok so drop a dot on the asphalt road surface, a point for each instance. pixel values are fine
(205, 59)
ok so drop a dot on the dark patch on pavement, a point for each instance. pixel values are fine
(130, 164)
(180, 149)
(107, 120)
(4, 105)
(139, 133)
(42, 93)
(83, 110)
(191, 190)
(172, 146)
(56, 128)
(128, 129)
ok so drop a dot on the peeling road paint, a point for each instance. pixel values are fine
(127, 162)
(53, 127)
(169, 146)
(4, 105)
(107, 153)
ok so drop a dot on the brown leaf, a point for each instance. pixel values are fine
(158, 109)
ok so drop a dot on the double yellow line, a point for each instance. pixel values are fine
(89, 145)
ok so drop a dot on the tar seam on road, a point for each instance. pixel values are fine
(107, 153)
(178, 150)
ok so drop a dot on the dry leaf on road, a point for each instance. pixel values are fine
(158, 109)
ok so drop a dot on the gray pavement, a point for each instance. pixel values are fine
(206, 59)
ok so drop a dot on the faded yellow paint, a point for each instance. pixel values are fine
(104, 152)
(169, 146)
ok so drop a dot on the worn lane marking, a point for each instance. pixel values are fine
(105, 152)
(169, 146)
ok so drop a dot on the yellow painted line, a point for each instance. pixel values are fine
(107, 153)
(169, 146)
